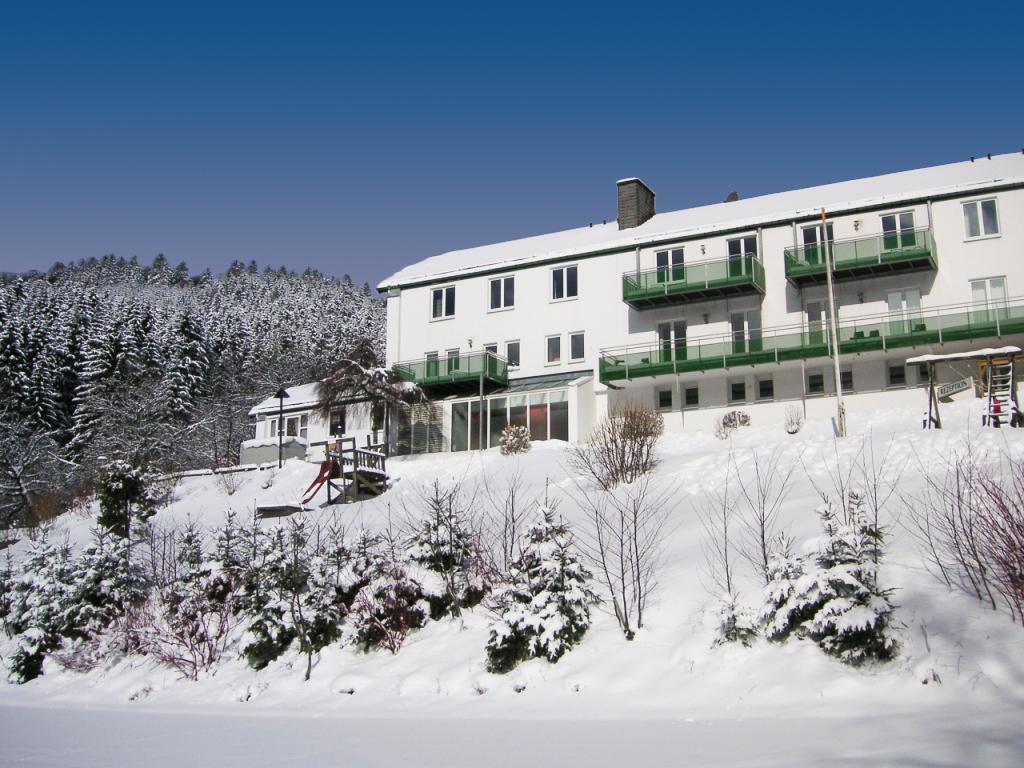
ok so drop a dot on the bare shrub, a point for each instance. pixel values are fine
(515, 438)
(794, 419)
(625, 542)
(228, 481)
(764, 481)
(730, 422)
(506, 521)
(970, 524)
(191, 641)
(621, 447)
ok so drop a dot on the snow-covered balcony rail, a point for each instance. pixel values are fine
(693, 282)
(906, 250)
(464, 369)
(910, 328)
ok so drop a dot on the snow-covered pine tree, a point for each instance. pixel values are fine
(125, 493)
(545, 609)
(43, 608)
(268, 633)
(107, 582)
(833, 596)
(446, 547)
(736, 624)
(389, 606)
(188, 369)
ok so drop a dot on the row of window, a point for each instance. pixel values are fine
(502, 292)
(981, 220)
(553, 352)
(764, 388)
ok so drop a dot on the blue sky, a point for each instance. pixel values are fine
(357, 139)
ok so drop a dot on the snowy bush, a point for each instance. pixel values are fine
(794, 419)
(107, 582)
(833, 597)
(389, 603)
(545, 609)
(730, 422)
(736, 624)
(514, 439)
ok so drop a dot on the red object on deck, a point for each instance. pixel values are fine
(328, 469)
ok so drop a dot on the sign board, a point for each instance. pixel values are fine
(945, 390)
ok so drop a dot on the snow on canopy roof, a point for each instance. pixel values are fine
(299, 396)
(892, 188)
(987, 352)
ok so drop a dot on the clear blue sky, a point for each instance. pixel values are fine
(358, 137)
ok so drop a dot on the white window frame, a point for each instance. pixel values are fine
(584, 355)
(899, 230)
(565, 283)
(547, 350)
(981, 220)
(445, 314)
(491, 347)
(502, 281)
(509, 358)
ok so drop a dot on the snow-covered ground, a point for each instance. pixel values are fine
(954, 695)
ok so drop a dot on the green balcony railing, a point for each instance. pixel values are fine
(904, 250)
(692, 282)
(466, 368)
(960, 322)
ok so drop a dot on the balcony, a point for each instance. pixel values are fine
(939, 325)
(693, 282)
(905, 251)
(449, 376)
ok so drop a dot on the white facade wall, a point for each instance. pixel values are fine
(608, 322)
(358, 424)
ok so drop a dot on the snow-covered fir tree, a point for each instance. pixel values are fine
(545, 609)
(834, 597)
(107, 582)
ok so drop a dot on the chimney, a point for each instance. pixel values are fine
(636, 203)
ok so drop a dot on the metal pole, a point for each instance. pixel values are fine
(280, 432)
(480, 425)
(840, 410)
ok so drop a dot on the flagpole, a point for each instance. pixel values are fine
(833, 328)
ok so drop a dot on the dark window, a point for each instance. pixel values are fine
(442, 302)
(815, 383)
(576, 346)
(665, 399)
(492, 348)
(692, 397)
(377, 411)
(512, 352)
(563, 283)
(766, 389)
(503, 293)
(737, 391)
(338, 422)
(897, 375)
(846, 378)
(554, 349)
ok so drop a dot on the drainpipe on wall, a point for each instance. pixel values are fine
(480, 425)
(833, 327)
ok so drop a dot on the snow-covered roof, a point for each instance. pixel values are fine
(976, 354)
(892, 188)
(299, 396)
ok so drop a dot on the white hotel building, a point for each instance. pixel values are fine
(705, 310)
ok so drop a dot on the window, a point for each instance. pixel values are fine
(452, 361)
(980, 219)
(814, 253)
(846, 379)
(746, 331)
(512, 353)
(338, 419)
(742, 250)
(378, 413)
(442, 302)
(897, 376)
(431, 366)
(503, 293)
(563, 283)
(988, 295)
(663, 398)
(670, 265)
(738, 391)
(576, 350)
(297, 426)
(691, 397)
(273, 428)
(815, 383)
(766, 388)
(672, 340)
(491, 348)
(554, 347)
(898, 231)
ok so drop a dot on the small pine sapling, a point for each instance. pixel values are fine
(124, 492)
(545, 609)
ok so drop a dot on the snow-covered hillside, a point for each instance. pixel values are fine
(953, 695)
